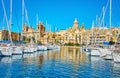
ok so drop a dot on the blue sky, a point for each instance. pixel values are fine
(60, 13)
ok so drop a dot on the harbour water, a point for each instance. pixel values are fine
(68, 62)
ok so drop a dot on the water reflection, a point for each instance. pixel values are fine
(69, 54)
(6, 60)
(68, 62)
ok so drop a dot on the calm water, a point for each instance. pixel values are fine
(66, 63)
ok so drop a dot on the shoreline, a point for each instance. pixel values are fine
(71, 46)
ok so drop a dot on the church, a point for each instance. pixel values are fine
(29, 32)
(73, 34)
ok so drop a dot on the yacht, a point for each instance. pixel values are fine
(6, 51)
(29, 49)
(17, 50)
(42, 48)
(106, 53)
(95, 52)
(55, 46)
(50, 47)
(116, 56)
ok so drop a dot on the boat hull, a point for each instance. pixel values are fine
(6, 51)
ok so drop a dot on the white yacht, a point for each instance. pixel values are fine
(50, 47)
(106, 53)
(42, 48)
(116, 56)
(17, 50)
(6, 51)
(29, 49)
(55, 46)
(95, 52)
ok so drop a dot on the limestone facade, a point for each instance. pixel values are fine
(78, 34)
(29, 32)
(4, 35)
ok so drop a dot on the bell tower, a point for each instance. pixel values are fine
(41, 28)
(25, 28)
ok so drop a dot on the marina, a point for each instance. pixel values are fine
(31, 47)
(66, 63)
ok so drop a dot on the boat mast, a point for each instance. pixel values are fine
(96, 21)
(8, 24)
(22, 18)
(110, 18)
(37, 20)
(37, 25)
(26, 13)
(10, 21)
(103, 17)
(92, 32)
(46, 32)
(110, 13)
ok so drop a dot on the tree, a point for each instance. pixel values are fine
(39, 43)
(111, 42)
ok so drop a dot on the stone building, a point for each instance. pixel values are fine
(4, 35)
(86, 36)
(100, 35)
(75, 34)
(29, 32)
(71, 35)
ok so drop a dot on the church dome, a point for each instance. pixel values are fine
(75, 20)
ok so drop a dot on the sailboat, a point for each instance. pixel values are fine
(94, 51)
(116, 53)
(7, 50)
(30, 48)
(40, 47)
(106, 53)
(116, 56)
(17, 50)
